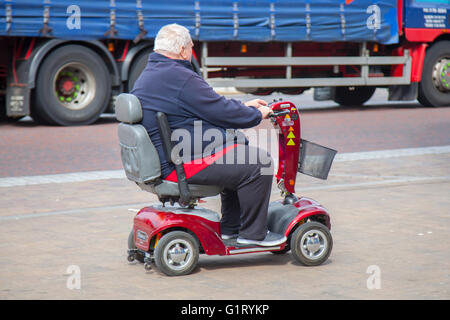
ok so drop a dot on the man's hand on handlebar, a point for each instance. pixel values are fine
(257, 103)
(261, 105)
(265, 111)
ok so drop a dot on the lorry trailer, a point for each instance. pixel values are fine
(64, 62)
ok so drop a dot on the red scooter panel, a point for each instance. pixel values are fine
(289, 143)
(151, 221)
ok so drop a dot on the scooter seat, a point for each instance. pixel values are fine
(169, 189)
(139, 157)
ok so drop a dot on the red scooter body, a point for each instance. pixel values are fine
(284, 216)
(151, 222)
(155, 220)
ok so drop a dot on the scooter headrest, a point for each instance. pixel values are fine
(128, 108)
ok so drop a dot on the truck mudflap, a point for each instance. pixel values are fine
(403, 92)
(18, 100)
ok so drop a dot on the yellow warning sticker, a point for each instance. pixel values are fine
(291, 143)
(288, 117)
(290, 135)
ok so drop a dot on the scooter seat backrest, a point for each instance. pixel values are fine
(128, 108)
(140, 159)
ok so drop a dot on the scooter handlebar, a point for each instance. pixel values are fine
(278, 113)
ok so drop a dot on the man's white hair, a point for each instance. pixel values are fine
(171, 38)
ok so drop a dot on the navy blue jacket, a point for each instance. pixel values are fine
(172, 87)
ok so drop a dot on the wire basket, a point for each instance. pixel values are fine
(315, 160)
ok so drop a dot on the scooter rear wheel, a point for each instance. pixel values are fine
(176, 253)
(311, 244)
(132, 246)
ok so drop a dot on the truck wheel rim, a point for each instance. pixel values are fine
(313, 244)
(74, 86)
(178, 254)
(441, 75)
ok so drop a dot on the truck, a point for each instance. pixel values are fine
(64, 62)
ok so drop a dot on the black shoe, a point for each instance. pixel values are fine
(271, 239)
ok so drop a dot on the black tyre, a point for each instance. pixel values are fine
(292, 91)
(140, 62)
(73, 87)
(257, 91)
(132, 245)
(2, 108)
(137, 67)
(176, 253)
(434, 88)
(353, 96)
(311, 244)
(196, 66)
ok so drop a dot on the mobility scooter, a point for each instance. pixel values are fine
(172, 236)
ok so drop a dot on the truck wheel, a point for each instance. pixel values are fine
(132, 245)
(196, 66)
(311, 244)
(73, 87)
(176, 253)
(139, 64)
(137, 67)
(353, 96)
(434, 88)
(292, 91)
(256, 91)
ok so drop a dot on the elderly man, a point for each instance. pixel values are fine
(168, 84)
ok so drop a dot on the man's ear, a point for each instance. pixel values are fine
(183, 53)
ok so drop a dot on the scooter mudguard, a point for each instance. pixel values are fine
(282, 218)
(204, 223)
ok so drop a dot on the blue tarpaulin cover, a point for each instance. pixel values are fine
(207, 20)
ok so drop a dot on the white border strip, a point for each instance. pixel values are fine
(400, 180)
(384, 154)
(120, 174)
(62, 178)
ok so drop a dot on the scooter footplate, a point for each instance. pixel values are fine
(233, 243)
(233, 247)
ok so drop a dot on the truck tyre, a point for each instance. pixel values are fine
(73, 87)
(353, 96)
(434, 88)
(137, 67)
(196, 66)
(292, 91)
(139, 64)
(256, 91)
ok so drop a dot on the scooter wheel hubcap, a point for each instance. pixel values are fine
(178, 254)
(313, 244)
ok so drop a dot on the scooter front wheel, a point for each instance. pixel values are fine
(311, 244)
(176, 253)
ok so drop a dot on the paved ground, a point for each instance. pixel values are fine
(390, 225)
(389, 213)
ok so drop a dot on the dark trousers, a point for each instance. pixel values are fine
(246, 175)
